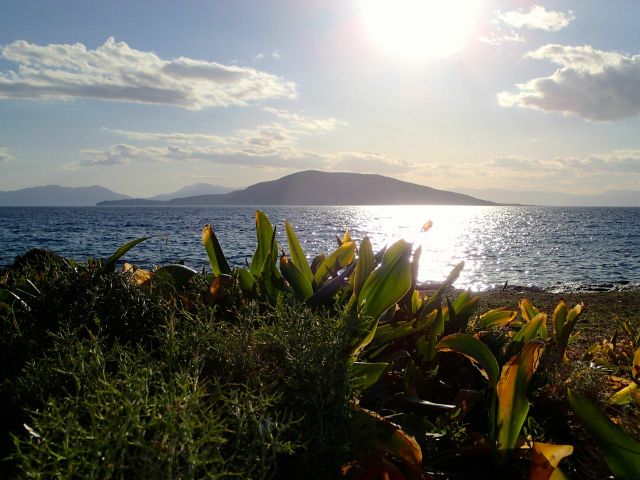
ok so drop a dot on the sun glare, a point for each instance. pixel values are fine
(419, 29)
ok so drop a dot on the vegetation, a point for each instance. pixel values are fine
(338, 367)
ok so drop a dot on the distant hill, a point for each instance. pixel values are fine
(610, 198)
(55, 195)
(324, 188)
(193, 190)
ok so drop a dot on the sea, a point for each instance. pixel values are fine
(552, 248)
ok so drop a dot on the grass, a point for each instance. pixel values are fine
(101, 379)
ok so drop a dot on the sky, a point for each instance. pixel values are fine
(144, 97)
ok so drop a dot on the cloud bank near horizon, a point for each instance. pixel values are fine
(115, 71)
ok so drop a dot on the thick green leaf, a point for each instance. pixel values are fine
(564, 320)
(266, 244)
(219, 265)
(297, 254)
(110, 263)
(298, 281)
(364, 329)
(498, 317)
(366, 374)
(416, 302)
(530, 330)
(392, 331)
(338, 260)
(386, 285)
(620, 451)
(474, 350)
(364, 265)
(246, 280)
(511, 391)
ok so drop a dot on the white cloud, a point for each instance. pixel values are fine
(5, 156)
(115, 71)
(507, 24)
(593, 84)
(538, 18)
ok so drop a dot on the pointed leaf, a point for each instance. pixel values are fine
(621, 452)
(110, 263)
(527, 310)
(266, 243)
(338, 260)
(386, 285)
(297, 254)
(219, 265)
(511, 391)
(564, 320)
(298, 281)
(364, 265)
(246, 280)
(529, 331)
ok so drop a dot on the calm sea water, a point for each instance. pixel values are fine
(557, 248)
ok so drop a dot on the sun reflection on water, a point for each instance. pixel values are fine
(443, 246)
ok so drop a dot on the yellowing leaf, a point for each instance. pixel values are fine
(217, 259)
(545, 458)
(388, 438)
(498, 317)
(529, 330)
(624, 395)
(338, 260)
(476, 351)
(513, 404)
(527, 310)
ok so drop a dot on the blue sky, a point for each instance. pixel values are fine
(146, 97)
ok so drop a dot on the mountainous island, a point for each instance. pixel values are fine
(313, 187)
(55, 195)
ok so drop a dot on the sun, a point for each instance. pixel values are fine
(420, 29)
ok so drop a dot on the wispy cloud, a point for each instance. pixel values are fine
(305, 122)
(115, 71)
(5, 156)
(593, 84)
(538, 18)
(272, 145)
